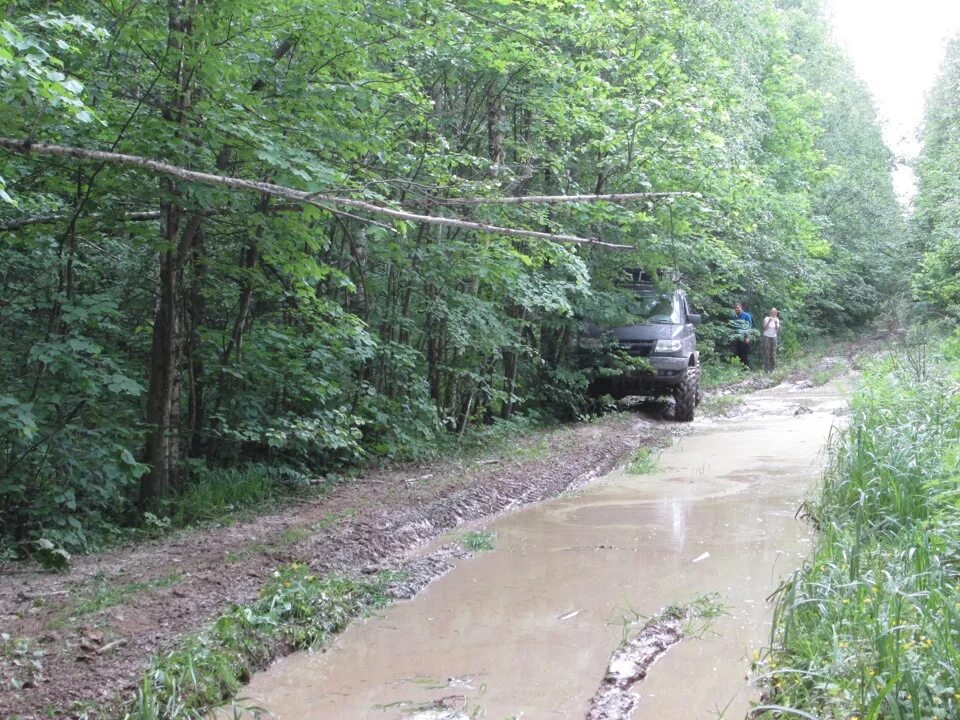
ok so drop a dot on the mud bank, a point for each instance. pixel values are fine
(629, 665)
(90, 634)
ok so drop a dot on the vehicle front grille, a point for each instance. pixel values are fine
(638, 348)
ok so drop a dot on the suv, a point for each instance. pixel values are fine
(660, 349)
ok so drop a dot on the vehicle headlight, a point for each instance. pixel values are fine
(668, 346)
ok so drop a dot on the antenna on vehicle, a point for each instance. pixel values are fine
(673, 247)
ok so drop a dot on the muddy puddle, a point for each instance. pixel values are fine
(527, 630)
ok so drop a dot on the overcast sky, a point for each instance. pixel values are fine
(897, 47)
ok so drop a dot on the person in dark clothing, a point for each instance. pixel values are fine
(743, 324)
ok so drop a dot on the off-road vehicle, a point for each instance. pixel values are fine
(660, 349)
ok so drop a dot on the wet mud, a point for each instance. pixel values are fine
(529, 628)
(629, 665)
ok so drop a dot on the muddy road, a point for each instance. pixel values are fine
(140, 601)
(527, 626)
(528, 629)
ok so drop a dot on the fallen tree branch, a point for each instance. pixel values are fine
(320, 200)
(44, 219)
(112, 646)
(155, 215)
(344, 213)
(557, 199)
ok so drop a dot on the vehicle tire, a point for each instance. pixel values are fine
(699, 388)
(686, 395)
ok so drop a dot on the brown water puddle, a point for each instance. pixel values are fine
(527, 630)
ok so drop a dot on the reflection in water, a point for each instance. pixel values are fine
(622, 548)
(677, 517)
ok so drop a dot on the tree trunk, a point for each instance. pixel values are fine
(163, 400)
(433, 363)
(196, 314)
(495, 118)
(162, 450)
(510, 366)
(251, 255)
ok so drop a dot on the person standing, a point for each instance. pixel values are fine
(771, 334)
(743, 325)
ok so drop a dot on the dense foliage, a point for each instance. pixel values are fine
(936, 218)
(869, 627)
(156, 329)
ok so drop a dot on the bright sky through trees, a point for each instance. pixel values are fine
(897, 47)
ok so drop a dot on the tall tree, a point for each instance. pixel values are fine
(936, 217)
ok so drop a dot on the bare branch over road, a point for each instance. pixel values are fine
(558, 199)
(324, 201)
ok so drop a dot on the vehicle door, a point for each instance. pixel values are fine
(687, 331)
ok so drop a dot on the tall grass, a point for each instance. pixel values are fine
(870, 627)
(219, 493)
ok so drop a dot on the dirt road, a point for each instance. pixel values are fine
(527, 629)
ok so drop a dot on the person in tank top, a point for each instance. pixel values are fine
(771, 334)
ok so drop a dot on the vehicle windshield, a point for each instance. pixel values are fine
(657, 308)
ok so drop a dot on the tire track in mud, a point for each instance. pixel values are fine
(398, 533)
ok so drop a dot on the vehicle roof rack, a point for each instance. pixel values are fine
(640, 279)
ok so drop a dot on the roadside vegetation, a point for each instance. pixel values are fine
(869, 628)
(722, 405)
(643, 462)
(107, 595)
(478, 540)
(697, 616)
(819, 360)
(296, 610)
